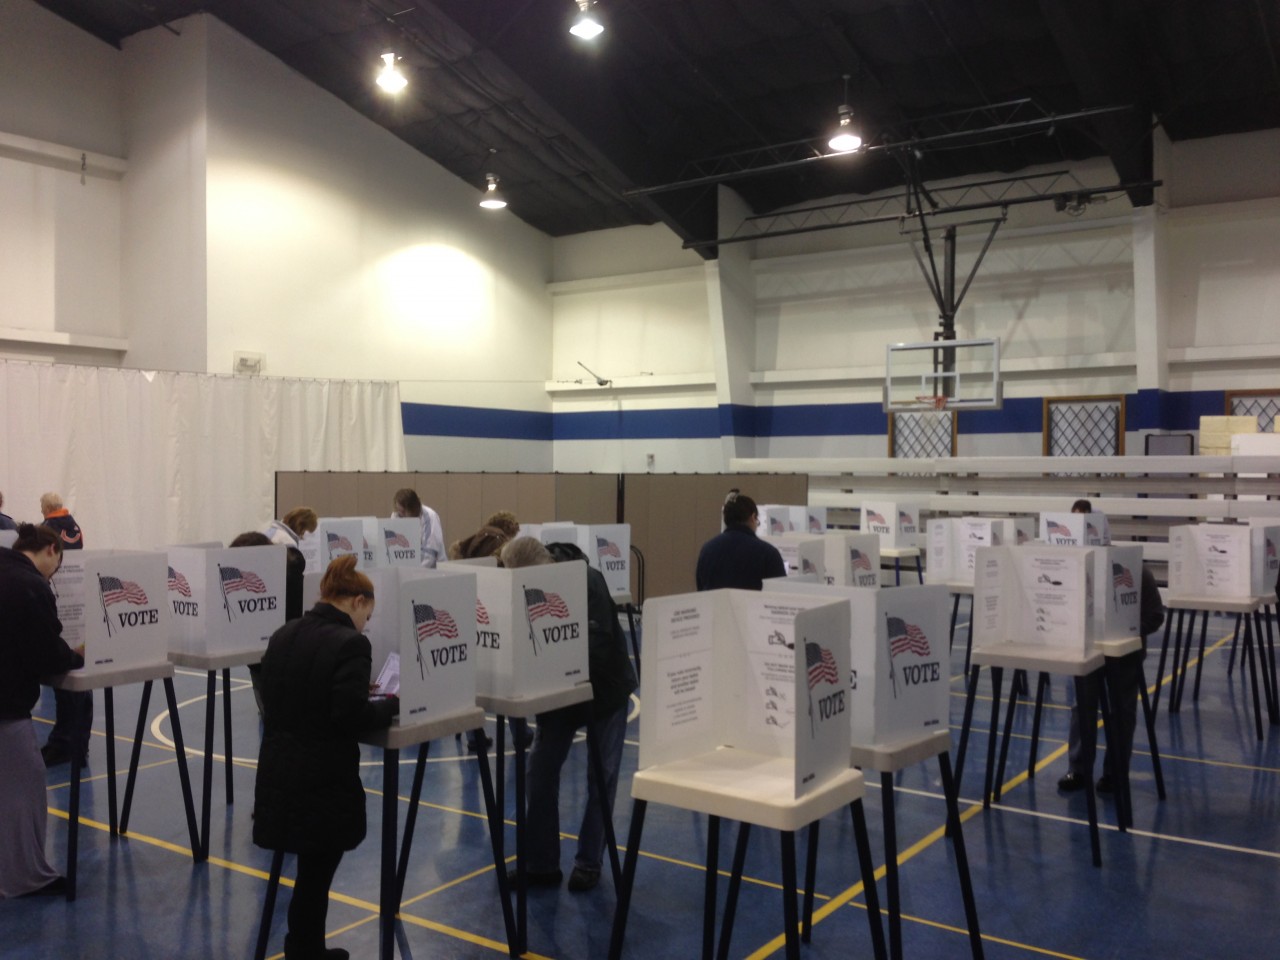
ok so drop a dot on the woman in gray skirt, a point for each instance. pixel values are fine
(31, 647)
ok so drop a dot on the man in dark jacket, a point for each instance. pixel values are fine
(737, 557)
(73, 711)
(6, 521)
(1123, 674)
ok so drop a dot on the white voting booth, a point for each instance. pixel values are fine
(225, 600)
(898, 653)
(776, 518)
(953, 543)
(1075, 529)
(531, 629)
(397, 538)
(761, 673)
(803, 555)
(851, 559)
(333, 538)
(897, 524)
(114, 602)
(1035, 596)
(1223, 560)
(7, 537)
(607, 547)
(423, 632)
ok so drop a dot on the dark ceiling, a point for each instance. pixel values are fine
(746, 91)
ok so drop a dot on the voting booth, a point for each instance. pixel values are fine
(1075, 529)
(851, 559)
(116, 604)
(531, 629)
(896, 523)
(803, 555)
(1223, 560)
(333, 538)
(954, 541)
(898, 652)
(776, 518)
(225, 600)
(1036, 596)
(1117, 598)
(607, 547)
(760, 672)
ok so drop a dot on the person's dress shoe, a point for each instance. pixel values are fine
(1071, 782)
(1104, 784)
(538, 878)
(487, 741)
(582, 880)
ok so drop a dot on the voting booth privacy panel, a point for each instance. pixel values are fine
(1075, 529)
(953, 541)
(765, 673)
(1221, 560)
(1039, 596)
(224, 600)
(896, 523)
(899, 648)
(116, 604)
(607, 547)
(670, 515)
(779, 518)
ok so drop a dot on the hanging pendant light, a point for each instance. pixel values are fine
(845, 139)
(587, 25)
(390, 78)
(492, 199)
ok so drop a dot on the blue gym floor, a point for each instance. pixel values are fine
(1197, 876)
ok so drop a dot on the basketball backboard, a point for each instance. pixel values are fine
(942, 375)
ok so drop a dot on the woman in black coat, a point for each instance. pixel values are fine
(308, 798)
(31, 647)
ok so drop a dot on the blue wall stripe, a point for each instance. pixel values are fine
(1144, 410)
(439, 420)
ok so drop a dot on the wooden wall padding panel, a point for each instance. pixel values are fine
(587, 497)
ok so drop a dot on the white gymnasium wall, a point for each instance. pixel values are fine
(60, 99)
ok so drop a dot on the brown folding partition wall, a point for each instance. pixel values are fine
(671, 515)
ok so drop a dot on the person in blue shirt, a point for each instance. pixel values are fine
(737, 557)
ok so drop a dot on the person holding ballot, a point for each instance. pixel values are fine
(31, 647)
(737, 557)
(308, 798)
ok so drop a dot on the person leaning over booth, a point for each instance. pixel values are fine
(31, 647)
(289, 530)
(604, 716)
(308, 798)
(1123, 677)
(737, 557)
(406, 503)
(295, 565)
(73, 711)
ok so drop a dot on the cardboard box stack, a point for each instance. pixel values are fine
(1215, 433)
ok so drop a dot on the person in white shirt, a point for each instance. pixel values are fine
(292, 527)
(406, 503)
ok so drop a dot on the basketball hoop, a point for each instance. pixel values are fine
(929, 401)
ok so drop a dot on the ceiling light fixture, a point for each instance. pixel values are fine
(492, 199)
(587, 25)
(390, 78)
(845, 139)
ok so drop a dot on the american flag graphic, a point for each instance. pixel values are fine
(806, 566)
(859, 560)
(1056, 529)
(1090, 529)
(115, 590)
(1121, 576)
(482, 615)
(545, 604)
(234, 579)
(1022, 537)
(906, 638)
(178, 583)
(1271, 549)
(904, 519)
(607, 548)
(396, 539)
(815, 525)
(775, 525)
(337, 542)
(821, 665)
(873, 517)
(430, 622)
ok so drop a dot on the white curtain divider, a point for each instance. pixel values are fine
(145, 459)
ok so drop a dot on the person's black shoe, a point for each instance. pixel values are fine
(538, 878)
(485, 739)
(582, 880)
(1071, 782)
(528, 738)
(1104, 784)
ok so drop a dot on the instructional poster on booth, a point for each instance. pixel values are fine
(766, 628)
(682, 680)
(1052, 613)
